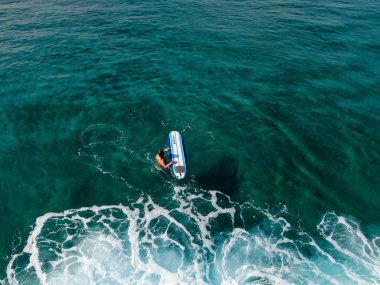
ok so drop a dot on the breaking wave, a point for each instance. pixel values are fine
(198, 237)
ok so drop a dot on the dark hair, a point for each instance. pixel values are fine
(161, 152)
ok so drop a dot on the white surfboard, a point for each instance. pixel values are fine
(177, 153)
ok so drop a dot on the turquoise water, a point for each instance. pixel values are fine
(277, 101)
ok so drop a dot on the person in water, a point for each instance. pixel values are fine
(160, 160)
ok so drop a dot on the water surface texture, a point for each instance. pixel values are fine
(279, 106)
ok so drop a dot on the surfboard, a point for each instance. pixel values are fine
(177, 152)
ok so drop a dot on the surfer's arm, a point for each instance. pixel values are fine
(169, 164)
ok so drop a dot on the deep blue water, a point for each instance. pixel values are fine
(278, 103)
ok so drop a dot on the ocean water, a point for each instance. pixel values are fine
(279, 106)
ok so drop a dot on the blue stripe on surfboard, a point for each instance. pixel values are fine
(183, 155)
(168, 144)
(178, 146)
(184, 150)
(180, 150)
(172, 147)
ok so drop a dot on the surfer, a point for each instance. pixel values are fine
(160, 160)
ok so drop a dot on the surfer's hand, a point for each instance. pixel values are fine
(166, 149)
(174, 162)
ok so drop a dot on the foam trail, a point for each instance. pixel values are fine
(345, 236)
(101, 142)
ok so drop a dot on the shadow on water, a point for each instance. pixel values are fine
(221, 175)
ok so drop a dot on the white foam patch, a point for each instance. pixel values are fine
(144, 243)
(199, 237)
(254, 256)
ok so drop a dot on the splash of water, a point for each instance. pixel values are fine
(199, 237)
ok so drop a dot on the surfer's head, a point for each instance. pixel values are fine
(161, 153)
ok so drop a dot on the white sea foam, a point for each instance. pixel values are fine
(201, 239)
